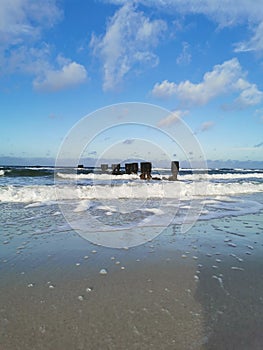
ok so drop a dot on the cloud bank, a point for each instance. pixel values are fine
(226, 13)
(69, 75)
(172, 118)
(22, 49)
(223, 78)
(128, 42)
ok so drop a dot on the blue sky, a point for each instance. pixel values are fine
(62, 60)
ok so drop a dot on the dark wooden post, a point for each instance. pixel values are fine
(174, 170)
(128, 169)
(131, 168)
(134, 168)
(146, 169)
(104, 168)
(116, 169)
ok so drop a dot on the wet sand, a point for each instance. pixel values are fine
(199, 290)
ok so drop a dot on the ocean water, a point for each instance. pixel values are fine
(200, 289)
(105, 208)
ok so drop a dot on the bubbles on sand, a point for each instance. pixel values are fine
(236, 268)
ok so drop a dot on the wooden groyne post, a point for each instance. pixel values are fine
(174, 170)
(131, 168)
(116, 169)
(146, 169)
(104, 168)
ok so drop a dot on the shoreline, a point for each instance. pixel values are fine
(199, 290)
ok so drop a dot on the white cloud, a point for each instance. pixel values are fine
(254, 44)
(223, 12)
(129, 40)
(24, 19)
(164, 89)
(225, 78)
(207, 125)
(69, 75)
(24, 59)
(185, 56)
(250, 96)
(172, 118)
(22, 23)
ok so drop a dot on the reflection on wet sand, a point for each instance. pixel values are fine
(200, 290)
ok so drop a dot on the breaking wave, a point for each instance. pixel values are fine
(131, 190)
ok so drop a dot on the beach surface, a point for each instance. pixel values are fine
(198, 290)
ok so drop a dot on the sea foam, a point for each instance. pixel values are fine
(142, 190)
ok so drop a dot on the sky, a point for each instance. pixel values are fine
(199, 61)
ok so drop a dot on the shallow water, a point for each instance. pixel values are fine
(199, 289)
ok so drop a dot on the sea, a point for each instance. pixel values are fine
(108, 209)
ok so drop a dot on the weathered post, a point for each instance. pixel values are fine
(116, 169)
(131, 168)
(104, 168)
(128, 168)
(146, 168)
(134, 168)
(174, 170)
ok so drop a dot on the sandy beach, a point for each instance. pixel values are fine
(131, 175)
(199, 290)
